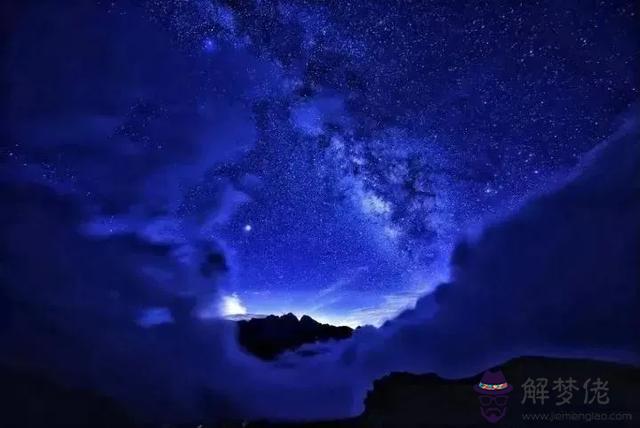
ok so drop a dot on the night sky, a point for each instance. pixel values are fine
(463, 176)
(330, 153)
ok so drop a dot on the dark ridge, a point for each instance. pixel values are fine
(412, 400)
(396, 400)
(426, 400)
(268, 337)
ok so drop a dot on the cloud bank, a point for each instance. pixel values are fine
(558, 278)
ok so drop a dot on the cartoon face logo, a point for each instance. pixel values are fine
(493, 394)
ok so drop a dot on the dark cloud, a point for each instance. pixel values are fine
(557, 278)
(560, 277)
(72, 304)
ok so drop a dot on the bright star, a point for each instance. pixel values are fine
(209, 45)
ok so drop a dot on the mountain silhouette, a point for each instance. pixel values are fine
(270, 336)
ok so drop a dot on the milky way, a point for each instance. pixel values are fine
(334, 152)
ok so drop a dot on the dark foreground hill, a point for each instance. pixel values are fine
(268, 337)
(396, 400)
(427, 400)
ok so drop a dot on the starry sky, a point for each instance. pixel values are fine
(326, 155)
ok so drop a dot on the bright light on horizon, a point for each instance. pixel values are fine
(232, 305)
(335, 321)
